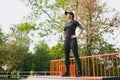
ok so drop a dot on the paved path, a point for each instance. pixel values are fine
(62, 78)
(70, 78)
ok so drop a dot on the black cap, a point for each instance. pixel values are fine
(66, 12)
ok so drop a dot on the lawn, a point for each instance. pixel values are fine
(7, 79)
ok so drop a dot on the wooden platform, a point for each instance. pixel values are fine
(62, 78)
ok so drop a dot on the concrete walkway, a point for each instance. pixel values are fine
(62, 78)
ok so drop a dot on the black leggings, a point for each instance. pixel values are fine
(71, 44)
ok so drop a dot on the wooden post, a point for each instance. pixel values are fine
(105, 65)
(96, 67)
(108, 65)
(93, 66)
(117, 65)
(113, 65)
(88, 67)
(100, 68)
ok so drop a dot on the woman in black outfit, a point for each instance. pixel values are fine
(70, 42)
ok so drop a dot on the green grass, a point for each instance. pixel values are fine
(7, 79)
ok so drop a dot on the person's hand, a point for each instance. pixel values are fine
(74, 36)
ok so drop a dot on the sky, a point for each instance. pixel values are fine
(13, 11)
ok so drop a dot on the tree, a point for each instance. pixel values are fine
(2, 38)
(2, 49)
(57, 52)
(37, 61)
(27, 63)
(49, 12)
(17, 45)
(41, 57)
(89, 12)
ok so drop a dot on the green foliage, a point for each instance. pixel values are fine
(61, 2)
(39, 61)
(16, 45)
(26, 63)
(23, 28)
(107, 48)
(2, 38)
(47, 10)
(57, 52)
(26, 27)
(90, 13)
(42, 57)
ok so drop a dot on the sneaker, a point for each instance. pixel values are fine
(79, 74)
(66, 74)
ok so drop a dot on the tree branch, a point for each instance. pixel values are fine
(49, 15)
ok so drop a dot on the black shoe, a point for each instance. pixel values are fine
(79, 74)
(66, 74)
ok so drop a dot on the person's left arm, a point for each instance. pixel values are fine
(80, 32)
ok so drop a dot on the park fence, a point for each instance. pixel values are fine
(23, 74)
(96, 65)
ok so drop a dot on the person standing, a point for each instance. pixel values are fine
(70, 42)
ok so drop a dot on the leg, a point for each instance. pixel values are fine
(74, 47)
(67, 55)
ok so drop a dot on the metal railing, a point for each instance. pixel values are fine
(96, 65)
(23, 74)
